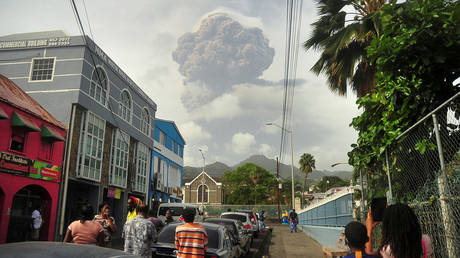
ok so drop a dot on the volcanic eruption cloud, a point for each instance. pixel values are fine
(221, 53)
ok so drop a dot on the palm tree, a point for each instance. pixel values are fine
(306, 165)
(343, 43)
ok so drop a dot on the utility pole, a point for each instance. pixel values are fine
(278, 189)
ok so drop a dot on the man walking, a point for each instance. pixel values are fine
(36, 223)
(294, 220)
(139, 234)
(191, 238)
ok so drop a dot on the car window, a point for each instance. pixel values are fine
(175, 211)
(239, 217)
(168, 234)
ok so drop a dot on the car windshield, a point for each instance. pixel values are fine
(167, 235)
(239, 217)
(175, 211)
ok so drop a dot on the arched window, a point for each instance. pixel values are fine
(125, 105)
(145, 123)
(203, 194)
(99, 85)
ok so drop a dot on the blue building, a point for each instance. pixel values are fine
(109, 118)
(168, 163)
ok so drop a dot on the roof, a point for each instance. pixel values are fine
(15, 96)
(206, 175)
(173, 123)
(35, 35)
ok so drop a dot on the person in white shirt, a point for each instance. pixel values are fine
(36, 223)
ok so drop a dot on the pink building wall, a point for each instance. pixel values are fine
(10, 183)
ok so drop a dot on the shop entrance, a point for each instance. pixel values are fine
(118, 210)
(24, 203)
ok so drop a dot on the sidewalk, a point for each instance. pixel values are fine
(295, 245)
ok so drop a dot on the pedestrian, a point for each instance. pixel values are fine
(191, 239)
(37, 222)
(401, 234)
(356, 238)
(262, 220)
(139, 233)
(294, 220)
(132, 204)
(107, 222)
(168, 217)
(156, 221)
(85, 230)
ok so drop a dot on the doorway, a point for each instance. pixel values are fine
(24, 203)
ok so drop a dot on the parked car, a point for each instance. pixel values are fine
(176, 211)
(254, 218)
(40, 249)
(245, 218)
(220, 243)
(238, 231)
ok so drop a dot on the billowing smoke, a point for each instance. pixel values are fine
(221, 53)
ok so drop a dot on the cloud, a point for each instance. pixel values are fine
(193, 133)
(222, 53)
(223, 107)
(242, 142)
(265, 149)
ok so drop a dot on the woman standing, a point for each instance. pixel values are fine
(107, 222)
(85, 231)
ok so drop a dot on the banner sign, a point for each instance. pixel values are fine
(49, 42)
(114, 192)
(15, 163)
(31, 168)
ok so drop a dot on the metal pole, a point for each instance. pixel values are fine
(390, 192)
(443, 191)
(292, 172)
(278, 189)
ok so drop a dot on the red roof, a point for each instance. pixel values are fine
(14, 95)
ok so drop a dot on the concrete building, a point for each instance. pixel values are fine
(203, 189)
(31, 148)
(168, 163)
(110, 119)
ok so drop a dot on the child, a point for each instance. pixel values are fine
(356, 238)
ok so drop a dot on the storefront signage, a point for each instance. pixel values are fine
(45, 171)
(15, 163)
(50, 42)
(114, 192)
(32, 168)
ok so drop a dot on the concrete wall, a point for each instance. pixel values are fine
(324, 235)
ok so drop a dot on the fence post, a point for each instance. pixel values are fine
(443, 193)
(390, 192)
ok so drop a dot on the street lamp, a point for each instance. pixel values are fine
(204, 161)
(292, 160)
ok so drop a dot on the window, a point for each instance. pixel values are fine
(203, 194)
(119, 160)
(125, 106)
(162, 138)
(172, 145)
(89, 164)
(145, 123)
(142, 168)
(46, 149)
(42, 69)
(18, 140)
(99, 85)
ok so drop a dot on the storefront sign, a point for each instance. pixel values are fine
(15, 163)
(114, 193)
(50, 42)
(45, 171)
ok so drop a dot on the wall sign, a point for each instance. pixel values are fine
(31, 168)
(114, 192)
(50, 42)
(15, 163)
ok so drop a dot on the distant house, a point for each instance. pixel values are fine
(203, 189)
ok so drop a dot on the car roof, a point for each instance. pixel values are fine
(222, 219)
(178, 205)
(232, 212)
(41, 249)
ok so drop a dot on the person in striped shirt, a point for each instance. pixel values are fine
(191, 238)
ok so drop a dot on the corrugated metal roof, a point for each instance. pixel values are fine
(12, 94)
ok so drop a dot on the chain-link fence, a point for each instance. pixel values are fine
(424, 166)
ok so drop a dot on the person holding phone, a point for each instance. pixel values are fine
(401, 234)
(107, 222)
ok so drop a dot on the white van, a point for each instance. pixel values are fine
(177, 209)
